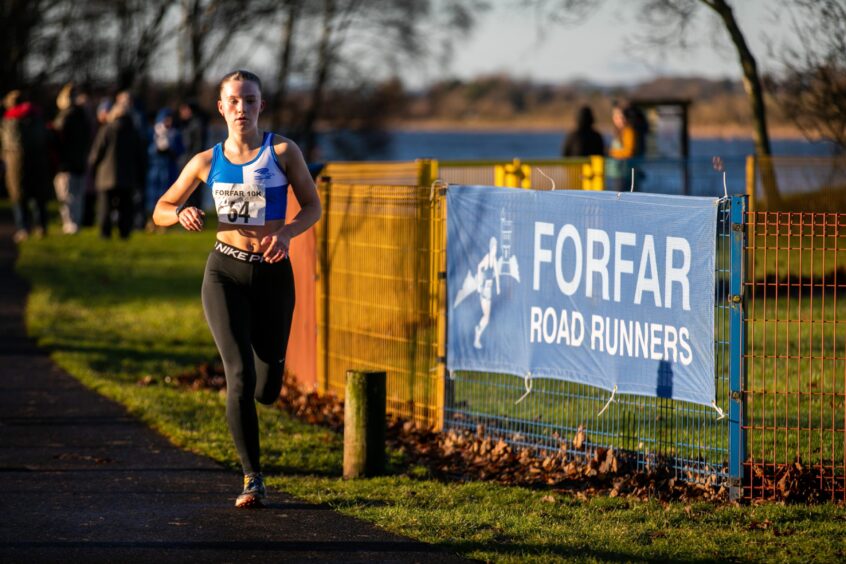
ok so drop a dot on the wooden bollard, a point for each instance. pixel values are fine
(364, 424)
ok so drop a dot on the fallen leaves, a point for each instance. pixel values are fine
(794, 482)
(462, 455)
(311, 407)
(577, 468)
(579, 439)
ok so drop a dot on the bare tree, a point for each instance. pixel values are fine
(211, 25)
(20, 21)
(374, 39)
(330, 40)
(569, 13)
(97, 40)
(811, 86)
(139, 34)
(291, 16)
(65, 49)
(668, 21)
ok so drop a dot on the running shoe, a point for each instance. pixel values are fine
(254, 493)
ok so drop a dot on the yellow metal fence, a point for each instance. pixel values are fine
(381, 246)
(373, 293)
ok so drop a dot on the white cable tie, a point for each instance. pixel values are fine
(527, 381)
(439, 182)
(725, 187)
(722, 414)
(547, 177)
(613, 393)
(631, 189)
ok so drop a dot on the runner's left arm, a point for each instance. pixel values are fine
(276, 245)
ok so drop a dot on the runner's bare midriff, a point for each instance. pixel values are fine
(247, 238)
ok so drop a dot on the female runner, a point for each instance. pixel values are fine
(248, 285)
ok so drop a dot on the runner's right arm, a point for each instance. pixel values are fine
(168, 210)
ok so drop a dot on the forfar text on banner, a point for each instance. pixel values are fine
(606, 289)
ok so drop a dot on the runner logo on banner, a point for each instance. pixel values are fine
(606, 289)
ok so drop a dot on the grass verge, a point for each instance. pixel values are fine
(113, 313)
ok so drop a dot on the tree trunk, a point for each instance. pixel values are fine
(133, 60)
(279, 100)
(150, 40)
(755, 92)
(324, 62)
(123, 68)
(196, 51)
(19, 18)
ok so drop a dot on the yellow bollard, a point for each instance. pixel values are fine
(514, 175)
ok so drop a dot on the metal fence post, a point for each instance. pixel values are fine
(322, 301)
(737, 348)
(439, 302)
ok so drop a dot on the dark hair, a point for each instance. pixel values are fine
(238, 75)
(584, 119)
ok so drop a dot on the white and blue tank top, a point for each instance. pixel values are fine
(250, 193)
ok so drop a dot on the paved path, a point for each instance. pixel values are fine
(82, 481)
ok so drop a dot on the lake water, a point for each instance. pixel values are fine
(461, 145)
(667, 176)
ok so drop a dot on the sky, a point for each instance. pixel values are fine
(517, 42)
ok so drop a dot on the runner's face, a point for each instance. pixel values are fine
(240, 104)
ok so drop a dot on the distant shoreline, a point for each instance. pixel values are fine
(470, 126)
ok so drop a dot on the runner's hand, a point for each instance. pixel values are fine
(275, 246)
(192, 219)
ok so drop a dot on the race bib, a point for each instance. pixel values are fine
(240, 204)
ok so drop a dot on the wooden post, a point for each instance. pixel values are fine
(364, 424)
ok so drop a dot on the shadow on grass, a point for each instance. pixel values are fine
(114, 355)
(107, 285)
(273, 469)
(312, 549)
(506, 546)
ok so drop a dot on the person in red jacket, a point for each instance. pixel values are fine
(23, 136)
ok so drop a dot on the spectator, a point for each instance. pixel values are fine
(73, 139)
(164, 149)
(24, 141)
(627, 146)
(118, 163)
(103, 110)
(194, 133)
(584, 140)
(98, 117)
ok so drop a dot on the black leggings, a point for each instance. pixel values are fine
(248, 306)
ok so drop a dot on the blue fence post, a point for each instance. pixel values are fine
(737, 348)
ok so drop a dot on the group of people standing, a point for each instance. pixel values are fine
(107, 164)
(627, 145)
